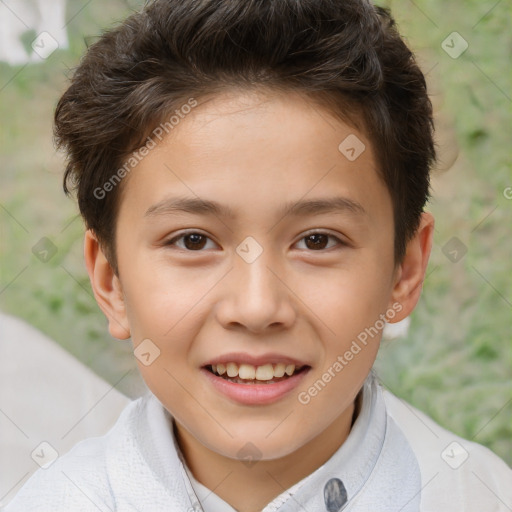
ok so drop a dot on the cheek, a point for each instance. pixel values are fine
(347, 299)
(166, 302)
(161, 299)
(166, 305)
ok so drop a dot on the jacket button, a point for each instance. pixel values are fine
(335, 495)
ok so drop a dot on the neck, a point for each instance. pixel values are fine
(265, 479)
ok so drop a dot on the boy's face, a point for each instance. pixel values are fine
(254, 287)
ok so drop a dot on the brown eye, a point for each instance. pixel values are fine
(316, 241)
(192, 241)
(319, 241)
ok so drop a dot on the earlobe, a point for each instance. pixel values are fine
(411, 272)
(106, 287)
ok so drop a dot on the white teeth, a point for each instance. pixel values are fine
(289, 369)
(247, 371)
(279, 369)
(244, 371)
(232, 369)
(265, 372)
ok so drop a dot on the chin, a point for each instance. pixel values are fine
(253, 444)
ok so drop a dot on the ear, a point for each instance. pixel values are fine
(410, 274)
(106, 287)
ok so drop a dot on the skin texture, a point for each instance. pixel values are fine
(254, 152)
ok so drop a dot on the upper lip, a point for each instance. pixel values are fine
(242, 358)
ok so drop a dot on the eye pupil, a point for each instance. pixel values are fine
(196, 241)
(316, 243)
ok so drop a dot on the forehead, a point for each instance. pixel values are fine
(243, 149)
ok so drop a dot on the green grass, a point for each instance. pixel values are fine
(456, 361)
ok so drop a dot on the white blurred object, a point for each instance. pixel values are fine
(45, 17)
(396, 330)
(49, 401)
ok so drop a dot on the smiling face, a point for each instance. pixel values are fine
(247, 236)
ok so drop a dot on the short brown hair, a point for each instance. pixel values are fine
(347, 55)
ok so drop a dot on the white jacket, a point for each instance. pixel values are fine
(395, 459)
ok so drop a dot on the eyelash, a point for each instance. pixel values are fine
(172, 241)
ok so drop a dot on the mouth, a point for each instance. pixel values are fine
(249, 374)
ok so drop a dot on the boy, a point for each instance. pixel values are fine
(252, 175)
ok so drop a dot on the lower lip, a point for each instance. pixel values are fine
(255, 394)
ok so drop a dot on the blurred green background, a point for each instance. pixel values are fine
(454, 364)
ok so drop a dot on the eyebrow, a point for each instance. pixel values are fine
(177, 205)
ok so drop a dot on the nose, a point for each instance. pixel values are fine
(257, 297)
